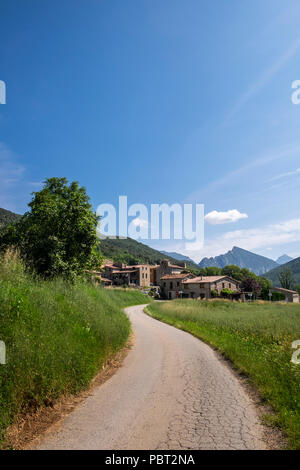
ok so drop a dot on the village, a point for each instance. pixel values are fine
(170, 281)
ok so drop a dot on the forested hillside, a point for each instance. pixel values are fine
(8, 217)
(131, 252)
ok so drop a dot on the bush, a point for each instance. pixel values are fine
(277, 297)
(227, 292)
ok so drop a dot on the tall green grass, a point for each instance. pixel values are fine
(257, 338)
(57, 335)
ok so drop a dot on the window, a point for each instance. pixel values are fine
(171, 285)
(178, 283)
(165, 284)
(223, 285)
(230, 285)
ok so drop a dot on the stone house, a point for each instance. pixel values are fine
(202, 286)
(290, 295)
(165, 268)
(120, 274)
(171, 284)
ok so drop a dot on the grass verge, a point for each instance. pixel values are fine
(57, 335)
(257, 338)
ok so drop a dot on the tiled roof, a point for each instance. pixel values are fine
(208, 279)
(125, 271)
(281, 289)
(175, 276)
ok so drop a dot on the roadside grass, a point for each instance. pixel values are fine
(57, 335)
(257, 338)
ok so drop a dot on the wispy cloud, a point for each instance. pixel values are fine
(264, 79)
(227, 217)
(285, 175)
(11, 174)
(254, 163)
(250, 239)
(14, 188)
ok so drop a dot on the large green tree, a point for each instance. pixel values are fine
(57, 236)
(286, 278)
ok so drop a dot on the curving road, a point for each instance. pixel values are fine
(172, 392)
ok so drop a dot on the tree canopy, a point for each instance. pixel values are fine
(57, 236)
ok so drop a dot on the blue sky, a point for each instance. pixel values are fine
(162, 101)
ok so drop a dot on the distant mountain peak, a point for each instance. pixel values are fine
(242, 258)
(284, 259)
(178, 256)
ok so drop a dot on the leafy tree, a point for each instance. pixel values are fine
(250, 284)
(247, 273)
(297, 287)
(58, 235)
(265, 287)
(233, 271)
(209, 271)
(286, 278)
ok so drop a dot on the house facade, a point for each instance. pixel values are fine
(165, 268)
(290, 295)
(203, 287)
(122, 274)
(171, 285)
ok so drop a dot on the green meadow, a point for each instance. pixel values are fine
(257, 338)
(57, 335)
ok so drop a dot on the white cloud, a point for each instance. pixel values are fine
(217, 218)
(250, 239)
(137, 222)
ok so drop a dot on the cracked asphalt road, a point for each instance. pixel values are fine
(172, 392)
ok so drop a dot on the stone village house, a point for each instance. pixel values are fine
(201, 287)
(171, 279)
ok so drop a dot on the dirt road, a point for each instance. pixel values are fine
(172, 392)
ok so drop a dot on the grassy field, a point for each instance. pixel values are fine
(57, 336)
(257, 338)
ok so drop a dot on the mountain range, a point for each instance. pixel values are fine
(242, 258)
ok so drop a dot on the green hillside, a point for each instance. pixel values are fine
(131, 252)
(294, 266)
(8, 217)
